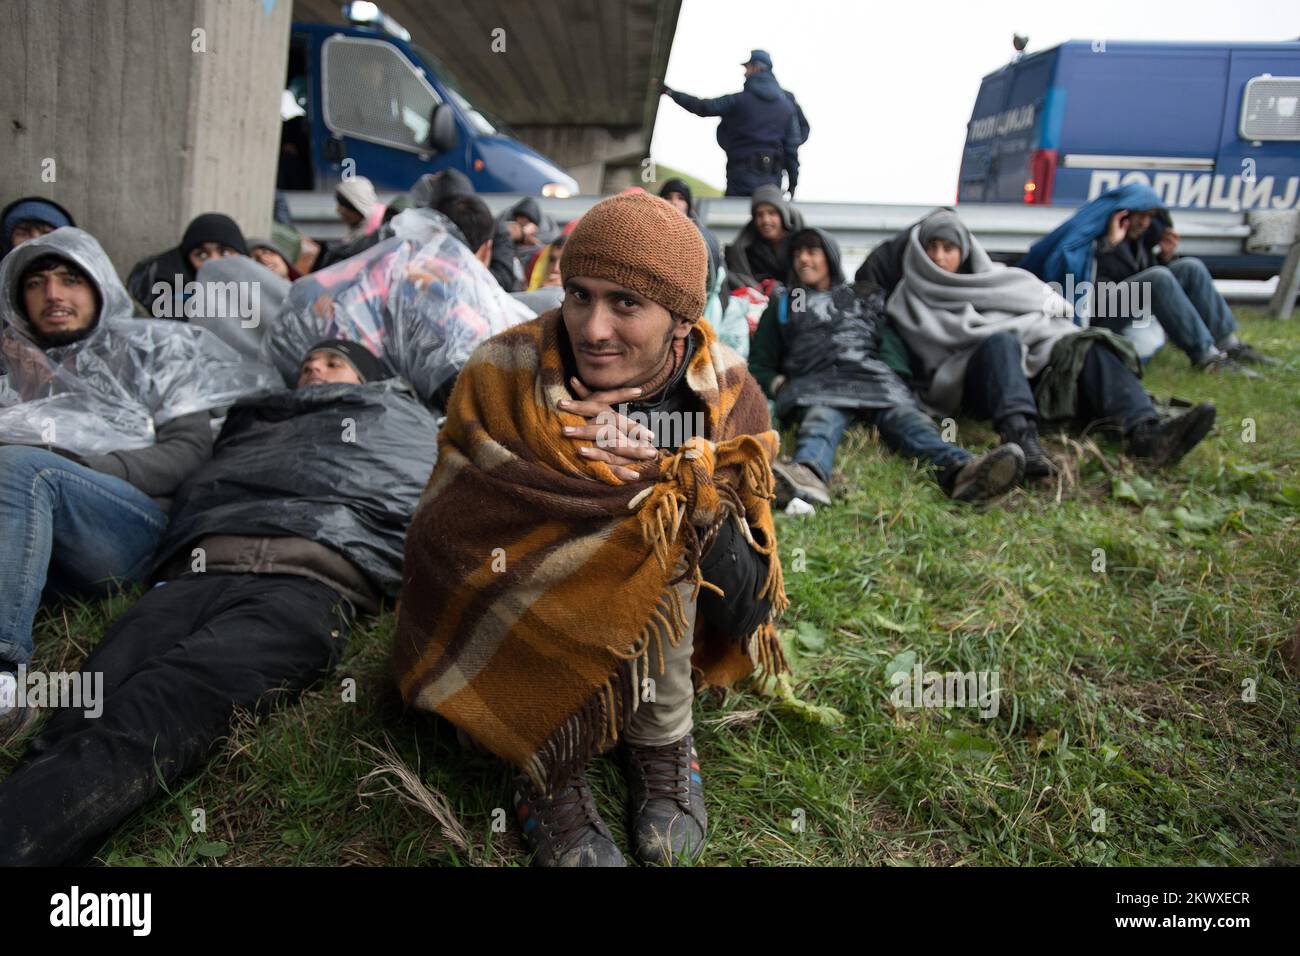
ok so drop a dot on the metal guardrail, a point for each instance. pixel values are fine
(858, 227)
(1004, 229)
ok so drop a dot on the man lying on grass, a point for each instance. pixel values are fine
(597, 533)
(821, 352)
(998, 343)
(295, 522)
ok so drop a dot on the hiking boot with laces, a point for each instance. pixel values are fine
(794, 479)
(990, 475)
(1162, 443)
(564, 829)
(1024, 432)
(666, 801)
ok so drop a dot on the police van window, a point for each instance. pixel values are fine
(372, 92)
(484, 123)
(1270, 108)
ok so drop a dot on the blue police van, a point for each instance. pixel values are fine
(363, 98)
(1207, 125)
(1212, 126)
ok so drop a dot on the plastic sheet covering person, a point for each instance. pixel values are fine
(420, 301)
(102, 417)
(110, 390)
(246, 295)
(298, 527)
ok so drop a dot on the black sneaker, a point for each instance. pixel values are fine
(1164, 443)
(990, 475)
(794, 479)
(1038, 463)
(1245, 355)
(1225, 364)
(565, 829)
(666, 801)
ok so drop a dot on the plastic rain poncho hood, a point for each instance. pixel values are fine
(112, 389)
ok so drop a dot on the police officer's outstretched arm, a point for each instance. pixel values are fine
(790, 148)
(714, 106)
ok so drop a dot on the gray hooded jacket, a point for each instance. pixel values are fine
(751, 259)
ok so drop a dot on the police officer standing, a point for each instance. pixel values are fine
(761, 130)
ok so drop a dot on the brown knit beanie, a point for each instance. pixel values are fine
(644, 244)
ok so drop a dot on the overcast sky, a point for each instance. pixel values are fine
(888, 86)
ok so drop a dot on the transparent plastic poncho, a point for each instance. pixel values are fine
(110, 390)
(419, 301)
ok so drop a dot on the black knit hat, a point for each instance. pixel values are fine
(213, 227)
(679, 186)
(358, 356)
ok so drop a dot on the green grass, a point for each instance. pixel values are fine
(1121, 690)
(699, 188)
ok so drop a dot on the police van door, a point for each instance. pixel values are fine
(1258, 165)
(377, 108)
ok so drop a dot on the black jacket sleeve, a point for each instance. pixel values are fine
(183, 444)
(740, 572)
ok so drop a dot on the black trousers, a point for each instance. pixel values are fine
(174, 668)
(996, 387)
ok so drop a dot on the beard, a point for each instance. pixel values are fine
(53, 340)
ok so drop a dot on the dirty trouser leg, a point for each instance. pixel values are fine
(667, 718)
(912, 433)
(996, 387)
(1109, 394)
(175, 667)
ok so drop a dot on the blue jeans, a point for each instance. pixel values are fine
(907, 431)
(69, 527)
(1185, 303)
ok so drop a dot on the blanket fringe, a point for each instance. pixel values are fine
(665, 512)
(601, 720)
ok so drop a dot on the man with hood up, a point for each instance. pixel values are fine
(760, 256)
(817, 354)
(1126, 237)
(761, 130)
(293, 526)
(102, 416)
(998, 343)
(521, 232)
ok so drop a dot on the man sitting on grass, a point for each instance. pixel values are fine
(597, 531)
(294, 524)
(101, 417)
(997, 343)
(818, 353)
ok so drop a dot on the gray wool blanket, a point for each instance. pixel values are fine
(944, 316)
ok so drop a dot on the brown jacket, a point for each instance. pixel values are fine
(234, 554)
